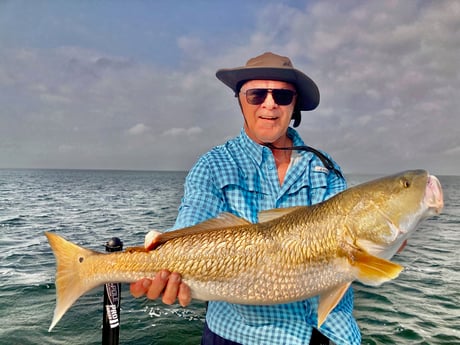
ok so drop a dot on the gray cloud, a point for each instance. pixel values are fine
(387, 72)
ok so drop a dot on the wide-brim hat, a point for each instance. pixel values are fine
(269, 66)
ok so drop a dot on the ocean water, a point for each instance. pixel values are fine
(89, 207)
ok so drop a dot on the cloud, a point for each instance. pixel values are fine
(180, 132)
(386, 76)
(387, 73)
(138, 129)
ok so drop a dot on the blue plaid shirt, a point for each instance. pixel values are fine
(241, 177)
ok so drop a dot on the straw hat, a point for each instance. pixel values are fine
(269, 66)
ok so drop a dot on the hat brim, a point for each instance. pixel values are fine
(308, 93)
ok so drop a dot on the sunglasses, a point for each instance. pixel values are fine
(280, 96)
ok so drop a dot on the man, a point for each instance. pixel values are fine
(266, 166)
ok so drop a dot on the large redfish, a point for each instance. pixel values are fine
(290, 255)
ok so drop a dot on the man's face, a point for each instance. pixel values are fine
(266, 122)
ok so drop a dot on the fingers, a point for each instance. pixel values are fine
(172, 289)
(158, 284)
(167, 284)
(177, 289)
(140, 287)
(185, 295)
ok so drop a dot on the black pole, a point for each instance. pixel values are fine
(112, 299)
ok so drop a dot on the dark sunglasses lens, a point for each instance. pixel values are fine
(256, 96)
(283, 97)
(280, 96)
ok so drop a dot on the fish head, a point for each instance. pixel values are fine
(391, 208)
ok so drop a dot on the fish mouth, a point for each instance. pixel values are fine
(432, 204)
(434, 197)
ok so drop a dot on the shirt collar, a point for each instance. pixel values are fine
(254, 150)
(257, 151)
(295, 137)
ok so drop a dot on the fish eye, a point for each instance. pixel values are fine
(81, 259)
(405, 183)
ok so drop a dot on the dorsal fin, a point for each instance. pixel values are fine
(268, 215)
(223, 220)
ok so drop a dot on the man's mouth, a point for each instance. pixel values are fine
(268, 117)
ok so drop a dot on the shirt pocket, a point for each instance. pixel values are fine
(318, 187)
(242, 196)
(310, 189)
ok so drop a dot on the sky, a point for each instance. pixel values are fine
(131, 84)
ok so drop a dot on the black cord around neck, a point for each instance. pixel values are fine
(324, 159)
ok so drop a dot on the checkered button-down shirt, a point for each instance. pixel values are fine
(240, 177)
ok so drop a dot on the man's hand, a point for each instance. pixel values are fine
(166, 284)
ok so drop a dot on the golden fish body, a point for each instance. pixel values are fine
(290, 255)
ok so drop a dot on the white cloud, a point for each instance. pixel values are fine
(138, 129)
(179, 132)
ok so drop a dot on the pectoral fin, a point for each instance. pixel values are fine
(372, 270)
(328, 301)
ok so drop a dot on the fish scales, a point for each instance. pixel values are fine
(291, 254)
(262, 265)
